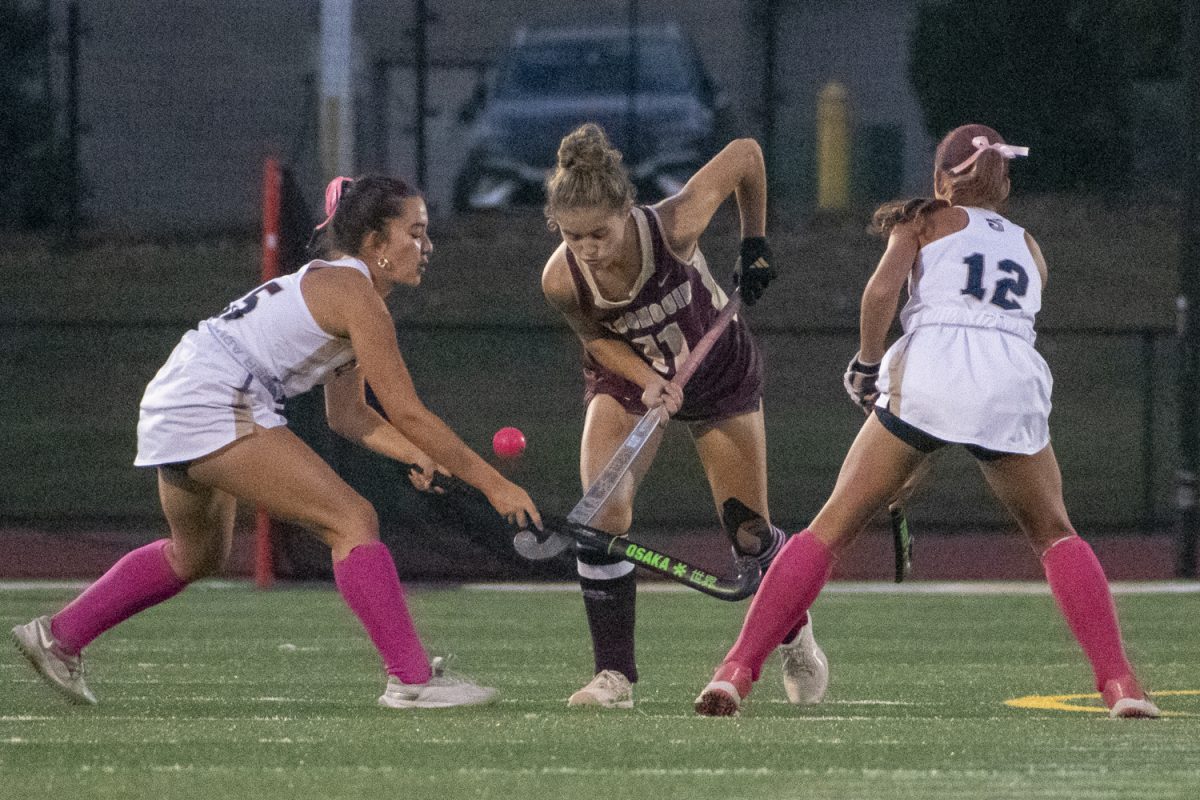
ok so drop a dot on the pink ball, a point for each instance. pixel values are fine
(508, 443)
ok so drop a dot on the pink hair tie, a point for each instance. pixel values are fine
(333, 193)
(981, 144)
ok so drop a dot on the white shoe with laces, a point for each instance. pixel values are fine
(609, 689)
(805, 668)
(440, 691)
(63, 672)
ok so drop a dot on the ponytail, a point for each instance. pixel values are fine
(356, 207)
(902, 212)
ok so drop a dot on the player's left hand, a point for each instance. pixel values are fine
(753, 271)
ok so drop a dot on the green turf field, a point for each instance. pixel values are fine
(224, 693)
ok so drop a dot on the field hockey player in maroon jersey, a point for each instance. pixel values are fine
(633, 285)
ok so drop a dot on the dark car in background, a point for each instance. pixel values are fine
(665, 120)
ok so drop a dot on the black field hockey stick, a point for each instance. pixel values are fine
(902, 539)
(537, 548)
(901, 542)
(743, 583)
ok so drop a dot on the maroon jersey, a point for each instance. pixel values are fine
(672, 303)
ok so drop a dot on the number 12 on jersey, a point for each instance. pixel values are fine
(1017, 285)
(665, 349)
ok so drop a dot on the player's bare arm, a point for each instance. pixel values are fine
(351, 417)
(739, 170)
(1038, 259)
(347, 304)
(613, 353)
(882, 295)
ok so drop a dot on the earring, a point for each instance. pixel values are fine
(383, 263)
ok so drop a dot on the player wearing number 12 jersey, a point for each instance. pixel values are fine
(632, 283)
(964, 372)
(210, 424)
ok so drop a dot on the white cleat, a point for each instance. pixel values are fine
(1126, 699)
(440, 691)
(63, 672)
(609, 689)
(805, 668)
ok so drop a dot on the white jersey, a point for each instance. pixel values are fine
(272, 333)
(983, 275)
(965, 370)
(235, 370)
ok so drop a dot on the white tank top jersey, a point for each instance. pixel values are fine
(965, 370)
(271, 332)
(983, 275)
(232, 373)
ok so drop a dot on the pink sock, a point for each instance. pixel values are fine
(781, 604)
(141, 579)
(369, 584)
(1079, 586)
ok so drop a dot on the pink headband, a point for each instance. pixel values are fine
(333, 193)
(981, 143)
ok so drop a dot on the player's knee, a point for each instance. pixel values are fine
(192, 561)
(357, 524)
(616, 521)
(1044, 535)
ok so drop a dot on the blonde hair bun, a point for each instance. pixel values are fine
(587, 148)
(589, 174)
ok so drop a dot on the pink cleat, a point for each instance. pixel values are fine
(1125, 698)
(723, 695)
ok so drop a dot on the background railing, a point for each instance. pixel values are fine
(72, 389)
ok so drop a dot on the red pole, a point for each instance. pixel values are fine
(264, 568)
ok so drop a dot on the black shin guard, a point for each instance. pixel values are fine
(611, 610)
(749, 533)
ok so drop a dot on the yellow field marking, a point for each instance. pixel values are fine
(1064, 702)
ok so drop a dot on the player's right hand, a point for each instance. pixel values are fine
(860, 381)
(514, 504)
(753, 272)
(422, 475)
(662, 392)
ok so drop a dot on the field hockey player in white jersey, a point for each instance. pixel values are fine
(211, 425)
(964, 372)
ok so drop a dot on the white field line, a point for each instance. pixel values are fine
(836, 587)
(883, 587)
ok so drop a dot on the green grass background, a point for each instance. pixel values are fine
(200, 700)
(83, 331)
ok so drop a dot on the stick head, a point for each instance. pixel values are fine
(528, 545)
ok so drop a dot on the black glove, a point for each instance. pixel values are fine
(753, 271)
(860, 382)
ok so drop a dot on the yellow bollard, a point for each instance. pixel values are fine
(833, 148)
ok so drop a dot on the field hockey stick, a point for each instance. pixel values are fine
(902, 540)
(535, 547)
(743, 583)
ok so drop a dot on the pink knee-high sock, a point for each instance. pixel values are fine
(1079, 586)
(369, 584)
(781, 604)
(141, 579)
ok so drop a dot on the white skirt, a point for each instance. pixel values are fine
(969, 385)
(200, 401)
